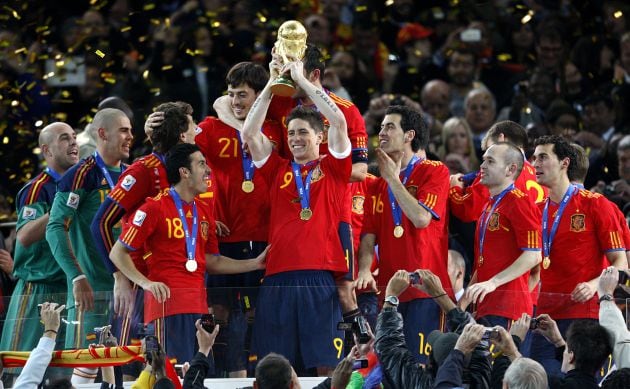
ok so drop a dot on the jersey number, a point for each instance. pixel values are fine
(175, 228)
(288, 177)
(377, 204)
(225, 151)
(425, 348)
(540, 193)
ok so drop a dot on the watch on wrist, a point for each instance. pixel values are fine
(606, 297)
(392, 300)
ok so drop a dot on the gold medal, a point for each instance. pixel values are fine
(480, 260)
(546, 262)
(306, 213)
(247, 186)
(191, 265)
(398, 231)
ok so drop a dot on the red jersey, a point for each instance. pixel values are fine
(587, 230)
(359, 191)
(466, 204)
(513, 227)
(156, 225)
(245, 214)
(418, 248)
(306, 244)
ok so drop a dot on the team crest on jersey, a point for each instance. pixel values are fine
(205, 229)
(29, 213)
(317, 174)
(73, 200)
(128, 182)
(357, 204)
(413, 190)
(139, 217)
(493, 223)
(577, 222)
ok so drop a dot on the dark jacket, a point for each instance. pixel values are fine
(574, 379)
(197, 372)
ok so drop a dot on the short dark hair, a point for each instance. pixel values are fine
(562, 148)
(618, 379)
(590, 344)
(247, 73)
(60, 383)
(273, 372)
(581, 164)
(175, 123)
(178, 157)
(313, 117)
(514, 132)
(410, 119)
(314, 59)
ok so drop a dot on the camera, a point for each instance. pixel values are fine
(207, 322)
(533, 324)
(360, 364)
(359, 327)
(144, 330)
(151, 345)
(470, 35)
(623, 278)
(490, 333)
(414, 278)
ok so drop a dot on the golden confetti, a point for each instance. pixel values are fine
(145, 74)
(38, 123)
(31, 85)
(361, 8)
(37, 151)
(110, 80)
(21, 50)
(190, 52)
(167, 67)
(525, 19)
(503, 57)
(148, 7)
(60, 63)
(618, 14)
(216, 24)
(167, 22)
(5, 140)
(15, 103)
(261, 17)
(389, 3)
(125, 29)
(99, 53)
(65, 94)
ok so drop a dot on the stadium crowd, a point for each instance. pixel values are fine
(442, 198)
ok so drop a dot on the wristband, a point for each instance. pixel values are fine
(78, 278)
(438, 296)
(53, 331)
(606, 297)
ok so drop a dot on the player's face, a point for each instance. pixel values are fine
(119, 137)
(189, 135)
(241, 100)
(391, 138)
(64, 148)
(199, 172)
(548, 166)
(494, 171)
(303, 140)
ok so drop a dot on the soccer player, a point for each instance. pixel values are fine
(467, 203)
(406, 218)
(144, 178)
(177, 227)
(80, 192)
(279, 110)
(307, 197)
(39, 277)
(242, 204)
(508, 240)
(581, 237)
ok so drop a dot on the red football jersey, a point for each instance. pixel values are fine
(306, 244)
(156, 225)
(418, 248)
(514, 227)
(466, 204)
(245, 214)
(587, 230)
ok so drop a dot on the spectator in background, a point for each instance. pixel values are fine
(611, 318)
(618, 379)
(525, 373)
(318, 30)
(458, 150)
(435, 98)
(480, 109)
(562, 119)
(550, 46)
(456, 272)
(462, 70)
(352, 77)
(201, 362)
(275, 372)
(531, 100)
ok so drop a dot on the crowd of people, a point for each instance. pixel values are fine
(479, 152)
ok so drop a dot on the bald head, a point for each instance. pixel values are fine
(435, 96)
(58, 144)
(114, 136)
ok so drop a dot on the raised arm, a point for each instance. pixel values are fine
(338, 140)
(259, 145)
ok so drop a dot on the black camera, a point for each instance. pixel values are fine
(144, 330)
(414, 278)
(623, 278)
(360, 364)
(534, 323)
(207, 322)
(359, 327)
(151, 345)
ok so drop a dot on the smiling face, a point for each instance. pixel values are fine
(241, 99)
(118, 137)
(61, 151)
(199, 172)
(303, 141)
(188, 136)
(458, 141)
(392, 138)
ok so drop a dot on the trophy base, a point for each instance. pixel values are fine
(283, 86)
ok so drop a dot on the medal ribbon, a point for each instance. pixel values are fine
(191, 241)
(548, 237)
(396, 211)
(303, 188)
(161, 157)
(248, 162)
(485, 218)
(101, 165)
(56, 176)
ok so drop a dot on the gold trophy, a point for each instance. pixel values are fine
(291, 46)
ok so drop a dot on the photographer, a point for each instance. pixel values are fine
(611, 318)
(400, 369)
(200, 364)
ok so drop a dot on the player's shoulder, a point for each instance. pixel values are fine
(517, 193)
(340, 101)
(77, 175)
(587, 194)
